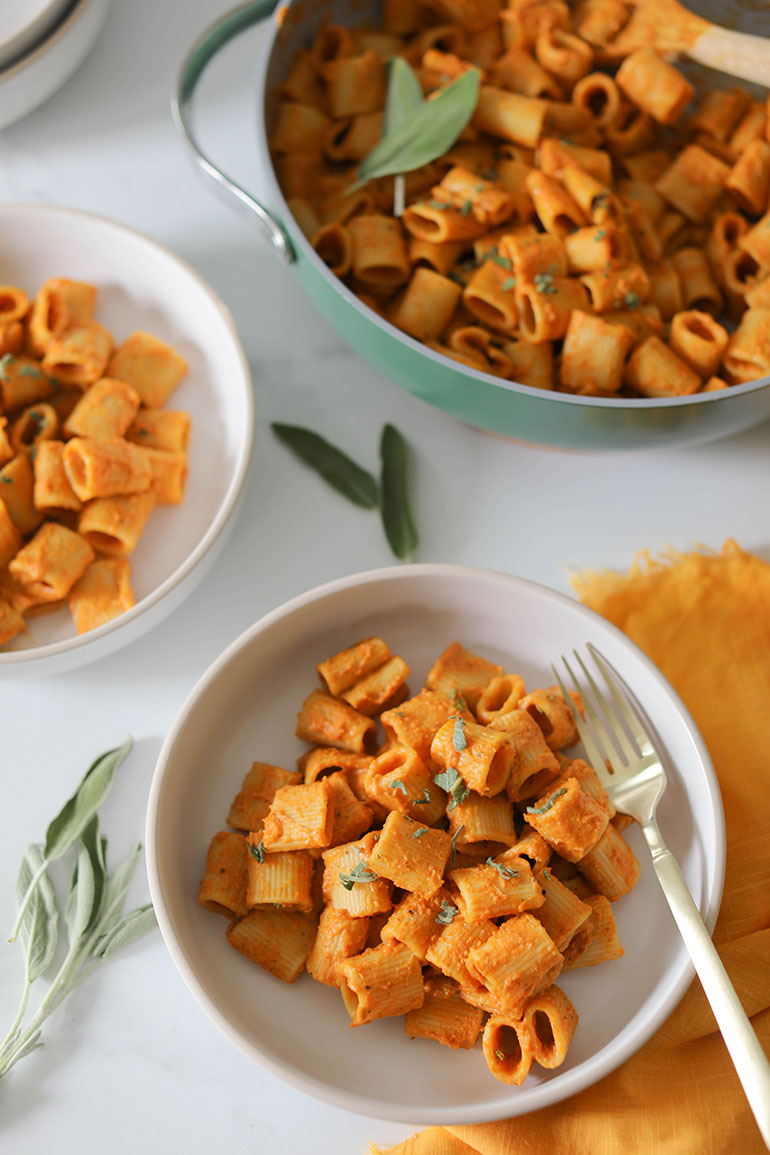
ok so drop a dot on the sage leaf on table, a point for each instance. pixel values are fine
(73, 817)
(427, 133)
(336, 468)
(403, 98)
(93, 917)
(396, 507)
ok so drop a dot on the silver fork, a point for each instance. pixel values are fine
(615, 730)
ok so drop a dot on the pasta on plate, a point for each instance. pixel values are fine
(595, 229)
(87, 452)
(448, 872)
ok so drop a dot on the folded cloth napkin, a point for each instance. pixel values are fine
(704, 620)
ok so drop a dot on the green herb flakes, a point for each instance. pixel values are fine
(454, 841)
(424, 800)
(632, 301)
(257, 851)
(454, 785)
(459, 741)
(544, 283)
(508, 284)
(600, 234)
(30, 371)
(420, 831)
(548, 802)
(503, 871)
(446, 913)
(467, 208)
(442, 206)
(503, 262)
(500, 1054)
(359, 873)
(397, 784)
(5, 361)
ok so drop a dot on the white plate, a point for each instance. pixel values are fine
(30, 80)
(143, 286)
(244, 708)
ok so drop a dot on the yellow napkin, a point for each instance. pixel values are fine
(704, 619)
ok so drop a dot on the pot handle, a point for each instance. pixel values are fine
(202, 52)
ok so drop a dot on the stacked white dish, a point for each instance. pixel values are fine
(42, 43)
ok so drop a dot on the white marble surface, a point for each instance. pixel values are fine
(130, 1062)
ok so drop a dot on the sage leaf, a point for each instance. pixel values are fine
(73, 818)
(404, 94)
(336, 468)
(396, 509)
(116, 890)
(97, 852)
(426, 134)
(77, 812)
(128, 930)
(40, 925)
(80, 904)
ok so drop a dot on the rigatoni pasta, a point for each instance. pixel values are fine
(589, 203)
(86, 454)
(448, 873)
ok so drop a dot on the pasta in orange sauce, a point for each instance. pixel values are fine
(87, 452)
(448, 873)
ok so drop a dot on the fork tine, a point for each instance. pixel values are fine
(636, 725)
(615, 737)
(596, 755)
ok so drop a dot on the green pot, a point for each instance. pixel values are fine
(504, 407)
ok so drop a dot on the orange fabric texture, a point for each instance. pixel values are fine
(704, 619)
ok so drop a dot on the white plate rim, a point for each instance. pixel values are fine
(237, 481)
(570, 1082)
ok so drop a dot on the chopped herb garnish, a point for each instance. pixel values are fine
(359, 873)
(257, 851)
(499, 1054)
(397, 784)
(632, 300)
(544, 283)
(452, 782)
(6, 480)
(600, 235)
(446, 913)
(5, 361)
(508, 284)
(466, 209)
(424, 800)
(479, 187)
(30, 371)
(491, 174)
(142, 433)
(442, 206)
(459, 741)
(503, 262)
(567, 140)
(457, 698)
(600, 201)
(503, 871)
(420, 831)
(454, 841)
(548, 802)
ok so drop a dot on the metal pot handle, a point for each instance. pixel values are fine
(205, 48)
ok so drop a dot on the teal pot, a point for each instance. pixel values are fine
(504, 407)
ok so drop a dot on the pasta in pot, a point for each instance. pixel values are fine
(586, 191)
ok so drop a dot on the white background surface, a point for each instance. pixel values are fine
(130, 1062)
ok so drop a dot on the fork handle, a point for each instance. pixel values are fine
(740, 1038)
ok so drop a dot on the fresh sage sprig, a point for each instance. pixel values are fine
(93, 917)
(426, 132)
(404, 97)
(391, 496)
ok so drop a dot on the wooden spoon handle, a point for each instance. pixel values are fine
(735, 53)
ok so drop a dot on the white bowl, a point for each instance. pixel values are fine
(143, 286)
(24, 23)
(244, 708)
(29, 81)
